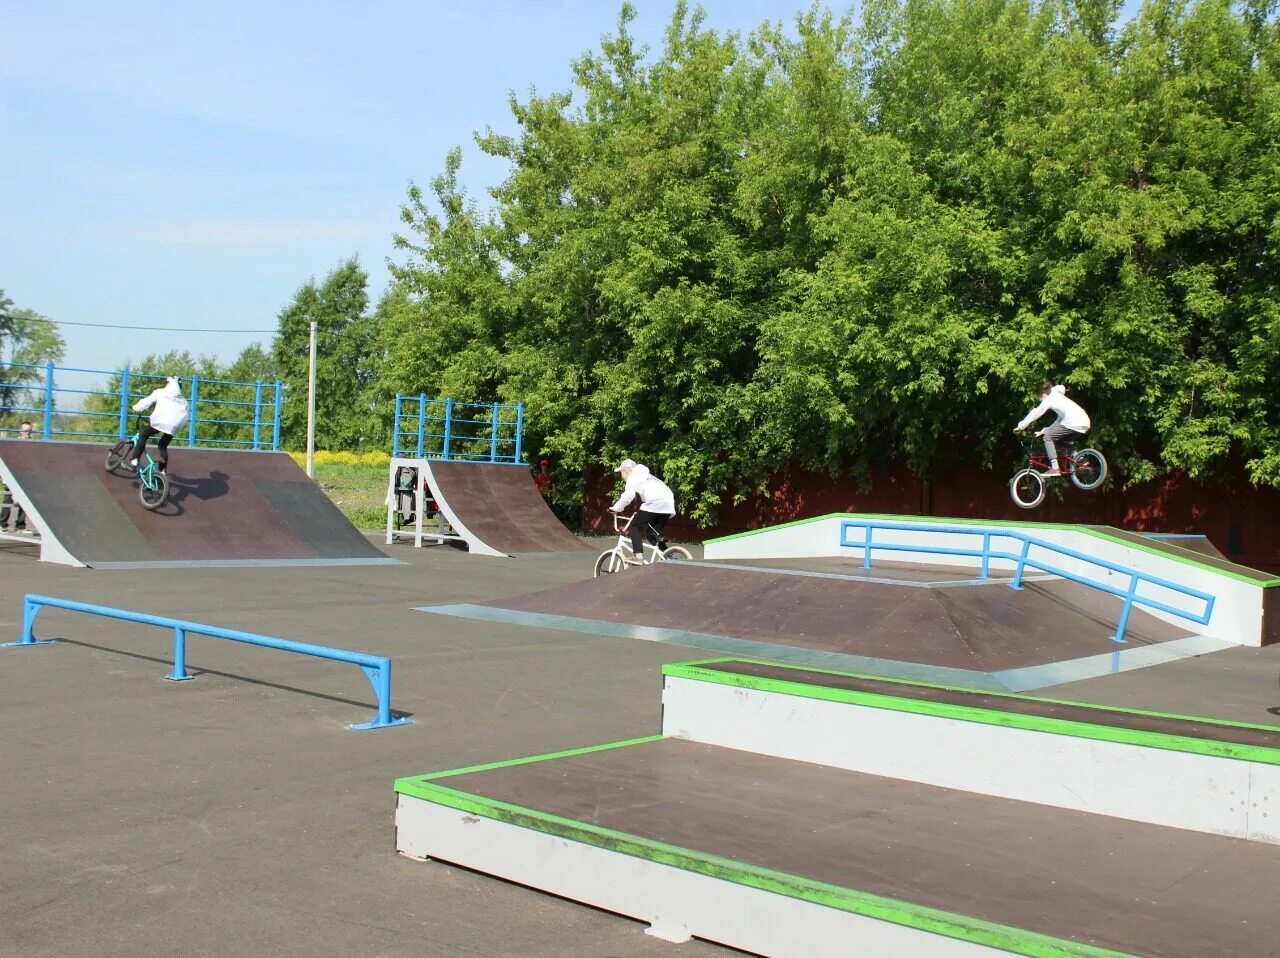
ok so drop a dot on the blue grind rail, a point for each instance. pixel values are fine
(1024, 561)
(376, 668)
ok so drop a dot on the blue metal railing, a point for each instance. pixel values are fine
(1024, 560)
(457, 431)
(376, 668)
(211, 402)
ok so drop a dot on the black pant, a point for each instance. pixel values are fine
(162, 447)
(640, 527)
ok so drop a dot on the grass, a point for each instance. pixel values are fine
(358, 490)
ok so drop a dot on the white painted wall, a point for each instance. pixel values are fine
(1202, 793)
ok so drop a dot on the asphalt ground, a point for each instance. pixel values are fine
(237, 815)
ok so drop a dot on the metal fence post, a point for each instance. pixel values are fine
(48, 400)
(257, 414)
(275, 436)
(395, 429)
(124, 402)
(448, 426)
(866, 551)
(422, 422)
(493, 439)
(519, 430)
(195, 410)
(986, 554)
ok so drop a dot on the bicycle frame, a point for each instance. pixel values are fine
(146, 468)
(623, 547)
(1040, 462)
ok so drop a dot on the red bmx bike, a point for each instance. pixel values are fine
(1086, 469)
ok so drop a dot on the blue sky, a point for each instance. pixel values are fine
(191, 165)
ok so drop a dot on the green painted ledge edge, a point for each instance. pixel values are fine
(923, 918)
(696, 671)
(1188, 559)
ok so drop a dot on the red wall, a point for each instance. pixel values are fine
(1241, 520)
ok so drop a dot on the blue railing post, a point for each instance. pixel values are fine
(124, 402)
(395, 429)
(866, 551)
(195, 410)
(257, 415)
(986, 554)
(180, 673)
(29, 611)
(1022, 562)
(48, 400)
(275, 436)
(422, 423)
(448, 426)
(493, 440)
(1124, 611)
(519, 430)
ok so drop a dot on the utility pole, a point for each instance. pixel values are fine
(311, 406)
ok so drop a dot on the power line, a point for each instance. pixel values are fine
(162, 329)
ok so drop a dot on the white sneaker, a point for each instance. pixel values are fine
(632, 560)
(133, 463)
(1052, 474)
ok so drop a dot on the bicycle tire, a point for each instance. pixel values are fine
(153, 497)
(1026, 489)
(677, 554)
(609, 563)
(1089, 469)
(116, 454)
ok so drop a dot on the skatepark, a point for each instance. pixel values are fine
(921, 736)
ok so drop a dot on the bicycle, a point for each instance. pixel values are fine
(153, 483)
(615, 559)
(1086, 469)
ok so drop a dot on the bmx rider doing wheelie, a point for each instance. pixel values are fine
(169, 415)
(657, 505)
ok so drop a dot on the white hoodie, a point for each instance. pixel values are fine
(655, 496)
(170, 413)
(1070, 415)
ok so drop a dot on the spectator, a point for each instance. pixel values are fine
(17, 520)
(543, 479)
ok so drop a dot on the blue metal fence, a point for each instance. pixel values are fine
(222, 412)
(457, 431)
(376, 668)
(1024, 560)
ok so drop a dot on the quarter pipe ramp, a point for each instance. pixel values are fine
(226, 507)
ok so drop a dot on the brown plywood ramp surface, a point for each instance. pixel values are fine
(498, 510)
(224, 506)
(1136, 888)
(984, 628)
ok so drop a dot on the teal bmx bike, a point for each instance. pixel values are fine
(153, 484)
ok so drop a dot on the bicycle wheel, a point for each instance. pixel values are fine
(1090, 468)
(677, 554)
(1027, 489)
(118, 454)
(609, 563)
(156, 495)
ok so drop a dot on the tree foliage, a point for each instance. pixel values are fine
(346, 354)
(866, 240)
(27, 339)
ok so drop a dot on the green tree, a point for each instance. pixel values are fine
(346, 347)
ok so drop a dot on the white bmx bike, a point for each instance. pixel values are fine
(615, 560)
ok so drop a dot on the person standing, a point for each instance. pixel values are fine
(17, 518)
